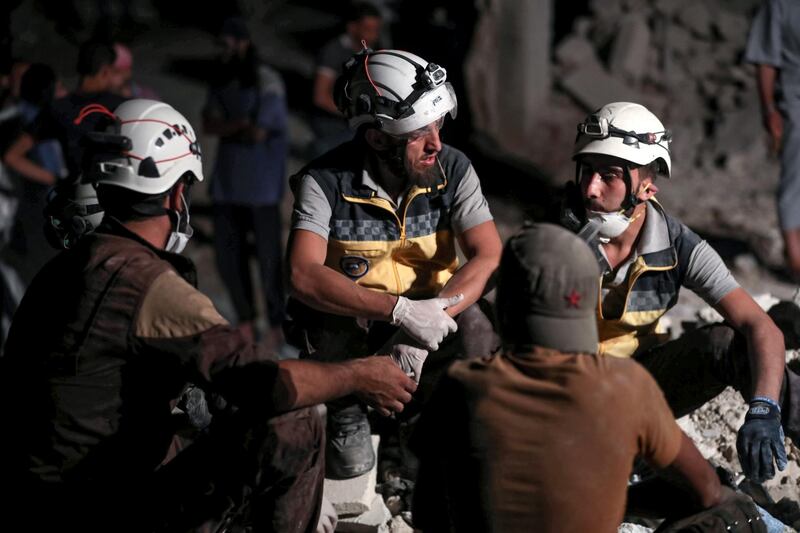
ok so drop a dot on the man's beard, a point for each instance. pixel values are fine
(399, 165)
(424, 178)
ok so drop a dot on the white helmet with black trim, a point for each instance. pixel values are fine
(397, 91)
(628, 131)
(72, 211)
(156, 147)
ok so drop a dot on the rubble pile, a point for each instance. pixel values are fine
(683, 59)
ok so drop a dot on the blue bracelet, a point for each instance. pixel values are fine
(766, 400)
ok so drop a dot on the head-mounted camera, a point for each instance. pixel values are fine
(433, 75)
(599, 128)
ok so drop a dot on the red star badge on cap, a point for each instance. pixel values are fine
(573, 299)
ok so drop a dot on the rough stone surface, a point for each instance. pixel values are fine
(374, 520)
(630, 50)
(592, 86)
(353, 497)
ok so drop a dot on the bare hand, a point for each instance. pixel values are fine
(382, 384)
(773, 122)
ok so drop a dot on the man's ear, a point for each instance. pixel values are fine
(377, 140)
(174, 200)
(647, 189)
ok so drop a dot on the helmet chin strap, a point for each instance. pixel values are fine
(394, 158)
(631, 201)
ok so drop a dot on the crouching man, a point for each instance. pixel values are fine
(543, 435)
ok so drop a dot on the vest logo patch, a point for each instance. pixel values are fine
(354, 266)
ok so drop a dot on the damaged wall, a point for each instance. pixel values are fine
(680, 58)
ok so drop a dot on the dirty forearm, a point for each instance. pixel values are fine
(482, 246)
(326, 290)
(305, 383)
(696, 473)
(470, 280)
(766, 76)
(766, 350)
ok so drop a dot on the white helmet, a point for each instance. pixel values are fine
(398, 91)
(71, 212)
(627, 131)
(157, 146)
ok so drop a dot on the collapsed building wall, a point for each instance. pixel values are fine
(680, 58)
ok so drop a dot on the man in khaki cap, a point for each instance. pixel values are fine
(542, 436)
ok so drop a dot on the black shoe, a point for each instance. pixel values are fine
(349, 451)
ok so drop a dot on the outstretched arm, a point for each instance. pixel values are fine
(377, 380)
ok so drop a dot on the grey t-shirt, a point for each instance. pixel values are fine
(775, 40)
(706, 274)
(312, 212)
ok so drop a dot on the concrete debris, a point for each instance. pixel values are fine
(353, 497)
(625, 527)
(686, 56)
(592, 86)
(730, 26)
(398, 525)
(375, 520)
(575, 51)
(629, 53)
(697, 18)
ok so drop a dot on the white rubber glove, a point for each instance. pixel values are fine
(405, 354)
(327, 517)
(425, 320)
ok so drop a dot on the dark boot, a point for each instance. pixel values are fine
(349, 451)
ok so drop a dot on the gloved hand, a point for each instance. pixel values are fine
(406, 354)
(760, 440)
(425, 320)
(327, 517)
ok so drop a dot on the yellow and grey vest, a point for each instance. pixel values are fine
(652, 286)
(408, 252)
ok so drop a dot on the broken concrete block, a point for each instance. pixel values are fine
(398, 525)
(630, 50)
(593, 87)
(353, 497)
(642, 7)
(696, 17)
(574, 51)
(731, 26)
(678, 40)
(375, 520)
(700, 65)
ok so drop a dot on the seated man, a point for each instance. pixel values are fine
(645, 257)
(109, 334)
(372, 252)
(542, 436)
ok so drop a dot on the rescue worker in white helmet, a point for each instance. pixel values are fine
(110, 333)
(646, 256)
(372, 252)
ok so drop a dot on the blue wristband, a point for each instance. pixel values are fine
(766, 400)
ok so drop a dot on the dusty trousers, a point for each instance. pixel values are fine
(246, 474)
(696, 367)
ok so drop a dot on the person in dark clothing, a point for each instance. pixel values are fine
(63, 120)
(28, 250)
(246, 108)
(110, 333)
(363, 24)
